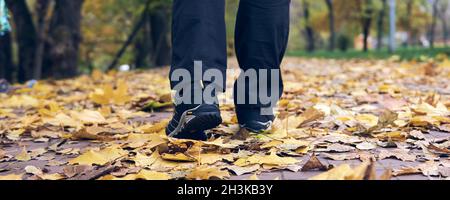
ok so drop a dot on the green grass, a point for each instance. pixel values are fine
(402, 53)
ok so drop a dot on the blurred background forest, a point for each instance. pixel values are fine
(65, 38)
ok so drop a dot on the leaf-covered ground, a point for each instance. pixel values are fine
(353, 119)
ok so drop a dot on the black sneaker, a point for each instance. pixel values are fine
(253, 120)
(190, 122)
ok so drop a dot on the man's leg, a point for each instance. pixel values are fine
(198, 36)
(262, 31)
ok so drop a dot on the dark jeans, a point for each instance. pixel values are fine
(199, 33)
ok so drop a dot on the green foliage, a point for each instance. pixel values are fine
(418, 54)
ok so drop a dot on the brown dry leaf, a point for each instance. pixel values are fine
(310, 115)
(71, 171)
(101, 157)
(387, 175)
(400, 154)
(205, 172)
(406, 171)
(439, 151)
(314, 164)
(2, 153)
(91, 133)
(341, 156)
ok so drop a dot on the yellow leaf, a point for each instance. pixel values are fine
(253, 177)
(107, 95)
(62, 120)
(150, 140)
(11, 177)
(101, 157)
(142, 175)
(367, 121)
(345, 172)
(423, 121)
(212, 158)
(143, 160)
(52, 177)
(206, 172)
(50, 110)
(89, 117)
(427, 109)
(154, 128)
(178, 157)
(272, 159)
(23, 156)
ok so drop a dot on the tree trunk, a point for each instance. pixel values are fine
(152, 48)
(26, 38)
(6, 63)
(367, 22)
(332, 39)
(64, 39)
(309, 32)
(381, 17)
(392, 27)
(434, 23)
(409, 10)
(445, 31)
(160, 30)
(143, 44)
(43, 10)
(443, 15)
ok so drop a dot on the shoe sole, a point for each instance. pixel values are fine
(268, 127)
(198, 123)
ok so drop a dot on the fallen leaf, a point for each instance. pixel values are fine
(314, 164)
(366, 146)
(239, 171)
(11, 177)
(101, 157)
(142, 175)
(212, 158)
(23, 155)
(273, 159)
(400, 154)
(180, 157)
(205, 172)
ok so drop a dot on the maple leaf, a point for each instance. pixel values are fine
(108, 95)
(205, 172)
(101, 157)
